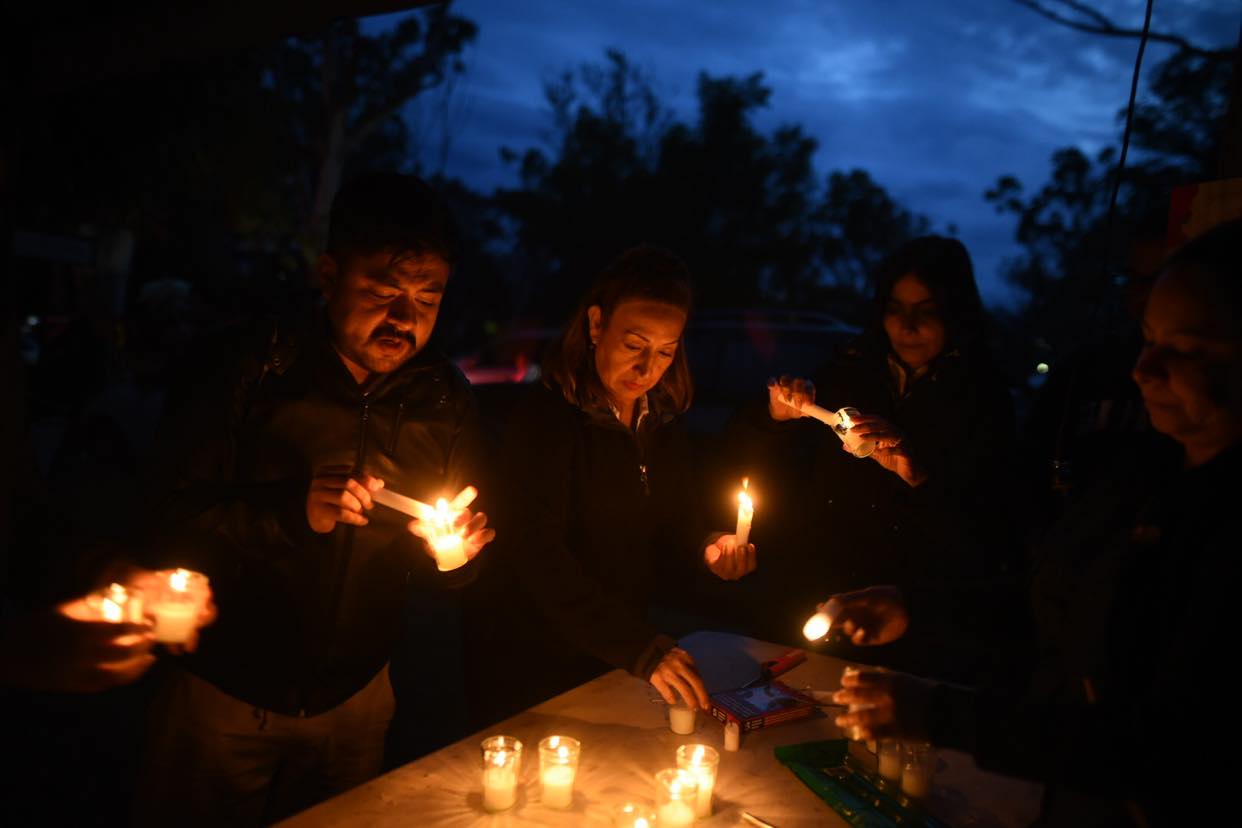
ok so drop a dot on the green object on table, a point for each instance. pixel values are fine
(825, 768)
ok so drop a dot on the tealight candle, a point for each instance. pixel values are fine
(178, 601)
(701, 762)
(681, 718)
(558, 764)
(678, 791)
(502, 756)
(745, 514)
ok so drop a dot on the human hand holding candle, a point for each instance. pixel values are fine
(729, 561)
(73, 648)
(890, 451)
(454, 534)
(339, 494)
(884, 704)
(676, 675)
(788, 397)
(871, 616)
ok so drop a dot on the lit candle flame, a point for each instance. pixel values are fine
(500, 758)
(111, 611)
(562, 753)
(817, 626)
(179, 580)
(846, 422)
(697, 759)
(641, 822)
(442, 515)
(118, 593)
(743, 497)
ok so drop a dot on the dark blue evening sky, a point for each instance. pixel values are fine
(934, 99)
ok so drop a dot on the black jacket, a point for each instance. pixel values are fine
(305, 620)
(830, 522)
(594, 514)
(1134, 593)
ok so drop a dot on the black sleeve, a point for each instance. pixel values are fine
(539, 461)
(201, 514)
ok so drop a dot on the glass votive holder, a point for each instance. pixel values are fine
(681, 718)
(919, 768)
(178, 598)
(502, 759)
(679, 793)
(634, 815)
(845, 430)
(890, 760)
(558, 764)
(702, 762)
(117, 604)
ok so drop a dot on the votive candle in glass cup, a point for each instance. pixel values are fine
(634, 815)
(681, 717)
(558, 764)
(702, 762)
(845, 430)
(890, 760)
(679, 792)
(179, 597)
(502, 760)
(919, 768)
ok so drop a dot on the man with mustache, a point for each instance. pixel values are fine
(275, 455)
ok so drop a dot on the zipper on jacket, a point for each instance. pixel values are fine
(362, 430)
(642, 475)
(396, 427)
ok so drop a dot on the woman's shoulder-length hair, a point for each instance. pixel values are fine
(943, 265)
(643, 272)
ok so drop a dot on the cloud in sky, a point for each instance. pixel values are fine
(936, 100)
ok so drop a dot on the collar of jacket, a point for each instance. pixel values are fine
(328, 359)
(606, 415)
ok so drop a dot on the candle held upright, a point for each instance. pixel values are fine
(745, 514)
(447, 543)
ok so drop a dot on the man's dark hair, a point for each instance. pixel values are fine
(389, 211)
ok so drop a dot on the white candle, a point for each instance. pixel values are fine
(675, 814)
(825, 416)
(499, 787)
(732, 736)
(449, 546)
(176, 609)
(700, 762)
(745, 512)
(681, 719)
(558, 786)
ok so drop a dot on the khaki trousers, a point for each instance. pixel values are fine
(212, 759)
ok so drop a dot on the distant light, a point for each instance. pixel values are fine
(1041, 368)
(31, 321)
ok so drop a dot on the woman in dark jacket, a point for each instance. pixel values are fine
(1134, 593)
(927, 506)
(598, 511)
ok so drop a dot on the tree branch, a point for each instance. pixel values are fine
(1098, 24)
